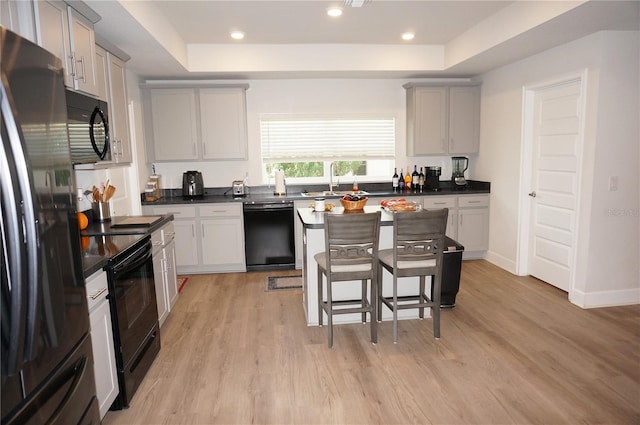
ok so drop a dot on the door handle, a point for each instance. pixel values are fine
(532, 194)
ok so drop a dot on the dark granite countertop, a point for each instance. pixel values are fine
(101, 241)
(294, 193)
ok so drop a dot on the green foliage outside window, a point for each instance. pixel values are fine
(316, 169)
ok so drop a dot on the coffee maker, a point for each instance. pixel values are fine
(460, 165)
(432, 178)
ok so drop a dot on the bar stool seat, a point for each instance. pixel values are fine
(351, 253)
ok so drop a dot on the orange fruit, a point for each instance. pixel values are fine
(84, 242)
(83, 221)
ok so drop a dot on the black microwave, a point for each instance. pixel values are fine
(88, 124)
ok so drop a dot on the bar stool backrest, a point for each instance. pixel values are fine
(419, 240)
(351, 241)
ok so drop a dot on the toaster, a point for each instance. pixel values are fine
(239, 188)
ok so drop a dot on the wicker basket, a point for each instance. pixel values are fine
(353, 205)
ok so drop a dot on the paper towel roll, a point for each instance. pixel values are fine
(280, 186)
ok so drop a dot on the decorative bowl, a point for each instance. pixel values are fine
(353, 205)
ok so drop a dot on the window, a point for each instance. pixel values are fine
(304, 146)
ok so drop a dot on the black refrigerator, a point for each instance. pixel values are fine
(47, 362)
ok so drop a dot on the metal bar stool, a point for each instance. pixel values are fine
(351, 253)
(418, 244)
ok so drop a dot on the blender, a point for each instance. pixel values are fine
(460, 165)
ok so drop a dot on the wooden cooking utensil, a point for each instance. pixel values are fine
(108, 193)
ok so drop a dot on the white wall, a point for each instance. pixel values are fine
(607, 269)
(300, 96)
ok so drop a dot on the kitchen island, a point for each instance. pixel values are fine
(313, 243)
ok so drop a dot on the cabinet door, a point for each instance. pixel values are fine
(161, 292)
(118, 108)
(427, 121)
(170, 273)
(102, 79)
(83, 48)
(464, 119)
(104, 357)
(473, 228)
(438, 202)
(222, 241)
(174, 124)
(186, 243)
(223, 123)
(53, 31)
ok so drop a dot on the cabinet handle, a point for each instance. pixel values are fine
(473, 202)
(100, 292)
(84, 74)
(74, 69)
(202, 228)
(193, 230)
(439, 203)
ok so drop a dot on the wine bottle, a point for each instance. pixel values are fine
(394, 180)
(421, 180)
(415, 178)
(407, 181)
(401, 181)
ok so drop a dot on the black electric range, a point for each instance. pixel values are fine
(99, 250)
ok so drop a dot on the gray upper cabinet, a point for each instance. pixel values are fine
(195, 123)
(442, 120)
(112, 88)
(69, 35)
(118, 110)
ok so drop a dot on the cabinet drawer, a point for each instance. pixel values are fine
(221, 210)
(473, 201)
(440, 202)
(177, 211)
(97, 289)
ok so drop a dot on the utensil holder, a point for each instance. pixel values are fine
(101, 211)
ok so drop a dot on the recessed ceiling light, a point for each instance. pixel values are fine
(237, 35)
(334, 12)
(408, 36)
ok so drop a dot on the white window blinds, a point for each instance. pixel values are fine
(290, 139)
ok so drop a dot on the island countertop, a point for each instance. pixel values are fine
(315, 220)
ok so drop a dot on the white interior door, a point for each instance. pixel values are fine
(556, 160)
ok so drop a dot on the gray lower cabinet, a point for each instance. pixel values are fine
(164, 271)
(468, 221)
(104, 356)
(209, 238)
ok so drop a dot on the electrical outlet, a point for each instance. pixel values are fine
(613, 183)
(80, 194)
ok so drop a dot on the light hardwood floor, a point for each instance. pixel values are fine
(513, 351)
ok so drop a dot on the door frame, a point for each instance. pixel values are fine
(529, 92)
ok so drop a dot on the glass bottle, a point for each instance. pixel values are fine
(401, 181)
(394, 180)
(421, 180)
(407, 181)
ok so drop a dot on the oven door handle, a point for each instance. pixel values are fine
(133, 261)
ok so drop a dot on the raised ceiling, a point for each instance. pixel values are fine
(296, 39)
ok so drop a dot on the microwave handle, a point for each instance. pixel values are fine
(105, 148)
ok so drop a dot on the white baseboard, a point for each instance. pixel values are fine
(501, 261)
(605, 298)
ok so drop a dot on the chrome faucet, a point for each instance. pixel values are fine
(331, 185)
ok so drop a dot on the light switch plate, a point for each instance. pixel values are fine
(613, 183)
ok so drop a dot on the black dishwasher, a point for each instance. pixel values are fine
(269, 235)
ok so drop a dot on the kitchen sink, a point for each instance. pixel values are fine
(333, 193)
